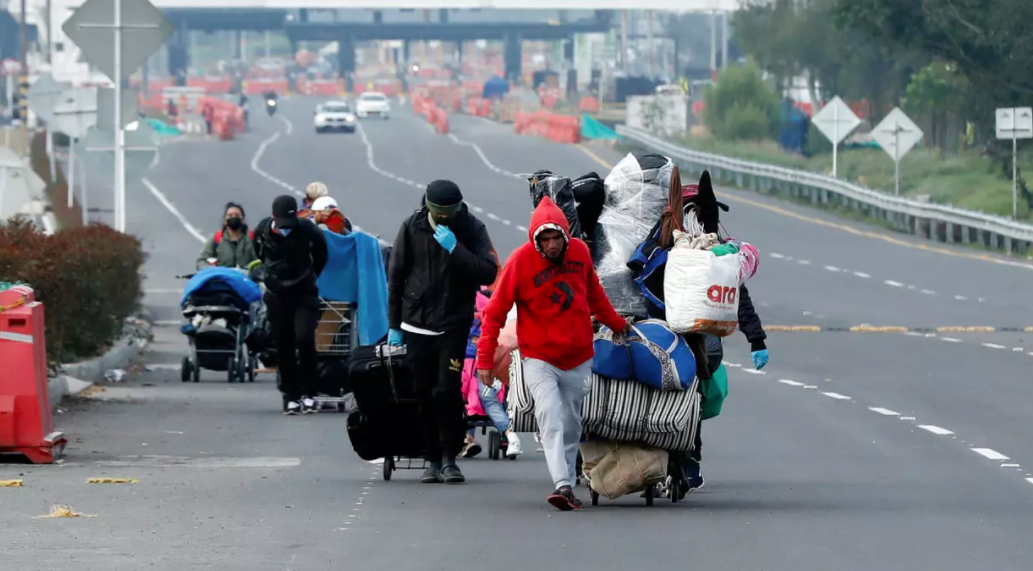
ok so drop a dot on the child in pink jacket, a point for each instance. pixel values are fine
(487, 401)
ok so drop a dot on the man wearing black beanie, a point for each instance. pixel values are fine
(440, 259)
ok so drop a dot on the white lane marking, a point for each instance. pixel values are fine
(810, 387)
(521, 228)
(1011, 466)
(862, 275)
(960, 297)
(790, 383)
(893, 283)
(507, 222)
(1030, 353)
(950, 339)
(373, 165)
(935, 429)
(286, 121)
(478, 209)
(377, 461)
(993, 346)
(928, 291)
(172, 209)
(776, 256)
(754, 371)
(804, 262)
(990, 453)
(837, 396)
(258, 156)
(1018, 349)
(907, 418)
(883, 411)
(733, 364)
(1030, 480)
(477, 149)
(494, 217)
(832, 268)
(914, 334)
(167, 322)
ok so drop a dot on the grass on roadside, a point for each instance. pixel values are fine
(966, 180)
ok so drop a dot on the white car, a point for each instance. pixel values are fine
(373, 103)
(333, 116)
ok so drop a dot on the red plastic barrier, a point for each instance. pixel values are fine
(258, 87)
(211, 85)
(559, 128)
(441, 122)
(323, 88)
(26, 426)
(588, 104)
(222, 125)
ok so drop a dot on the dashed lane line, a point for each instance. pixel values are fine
(935, 429)
(990, 453)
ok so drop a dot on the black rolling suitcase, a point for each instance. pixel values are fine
(387, 420)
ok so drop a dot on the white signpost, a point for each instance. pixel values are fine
(1015, 123)
(43, 95)
(74, 115)
(118, 36)
(897, 134)
(836, 120)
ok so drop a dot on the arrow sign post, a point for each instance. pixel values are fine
(118, 36)
(74, 115)
(897, 134)
(43, 95)
(836, 120)
(1014, 124)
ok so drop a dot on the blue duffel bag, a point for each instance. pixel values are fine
(651, 354)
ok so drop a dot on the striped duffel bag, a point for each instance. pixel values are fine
(521, 403)
(628, 411)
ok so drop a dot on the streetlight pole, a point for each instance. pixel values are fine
(23, 81)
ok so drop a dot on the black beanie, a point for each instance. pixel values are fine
(444, 193)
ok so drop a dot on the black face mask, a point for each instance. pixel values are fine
(234, 223)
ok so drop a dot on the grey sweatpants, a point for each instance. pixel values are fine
(558, 395)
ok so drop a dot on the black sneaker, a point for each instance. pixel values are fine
(432, 475)
(470, 450)
(309, 406)
(451, 475)
(563, 499)
(291, 407)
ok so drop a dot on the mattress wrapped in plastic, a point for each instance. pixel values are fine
(636, 194)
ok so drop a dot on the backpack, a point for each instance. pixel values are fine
(218, 236)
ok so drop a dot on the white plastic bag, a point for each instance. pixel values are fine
(701, 290)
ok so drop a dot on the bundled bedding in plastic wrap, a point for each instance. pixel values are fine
(558, 188)
(636, 194)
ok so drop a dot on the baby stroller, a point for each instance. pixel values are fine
(217, 305)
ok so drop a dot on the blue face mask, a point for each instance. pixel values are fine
(285, 231)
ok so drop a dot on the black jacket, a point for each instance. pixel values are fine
(292, 262)
(431, 289)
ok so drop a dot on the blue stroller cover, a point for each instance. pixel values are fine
(235, 280)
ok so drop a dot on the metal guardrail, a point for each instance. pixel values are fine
(935, 221)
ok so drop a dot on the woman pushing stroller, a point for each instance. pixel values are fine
(232, 246)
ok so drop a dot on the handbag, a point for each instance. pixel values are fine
(714, 391)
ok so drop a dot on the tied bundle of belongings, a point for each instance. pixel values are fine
(545, 183)
(636, 195)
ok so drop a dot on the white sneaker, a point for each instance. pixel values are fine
(291, 408)
(308, 405)
(515, 448)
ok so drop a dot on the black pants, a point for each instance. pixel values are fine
(437, 372)
(293, 320)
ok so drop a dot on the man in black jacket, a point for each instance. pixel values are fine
(293, 251)
(439, 260)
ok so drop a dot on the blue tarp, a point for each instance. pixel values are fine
(248, 290)
(495, 87)
(592, 129)
(355, 273)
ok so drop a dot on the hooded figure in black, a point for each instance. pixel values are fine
(440, 259)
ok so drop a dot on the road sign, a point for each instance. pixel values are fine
(44, 94)
(93, 29)
(76, 113)
(106, 107)
(836, 120)
(1015, 123)
(897, 134)
(97, 152)
(118, 36)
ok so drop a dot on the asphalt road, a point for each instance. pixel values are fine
(849, 451)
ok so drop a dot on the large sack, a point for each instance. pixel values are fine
(652, 354)
(701, 290)
(590, 194)
(615, 469)
(635, 409)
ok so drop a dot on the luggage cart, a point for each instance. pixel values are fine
(336, 337)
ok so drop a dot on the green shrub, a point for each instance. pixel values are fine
(88, 279)
(741, 105)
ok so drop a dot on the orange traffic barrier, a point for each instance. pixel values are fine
(441, 122)
(211, 85)
(322, 87)
(222, 125)
(559, 128)
(588, 104)
(26, 426)
(260, 86)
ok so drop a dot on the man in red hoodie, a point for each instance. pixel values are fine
(556, 291)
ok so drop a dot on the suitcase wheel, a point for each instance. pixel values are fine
(494, 444)
(650, 494)
(595, 497)
(184, 370)
(389, 466)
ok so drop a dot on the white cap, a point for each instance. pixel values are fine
(315, 190)
(324, 203)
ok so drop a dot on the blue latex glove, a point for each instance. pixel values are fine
(394, 337)
(760, 358)
(446, 238)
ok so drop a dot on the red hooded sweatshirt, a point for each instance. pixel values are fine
(555, 301)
